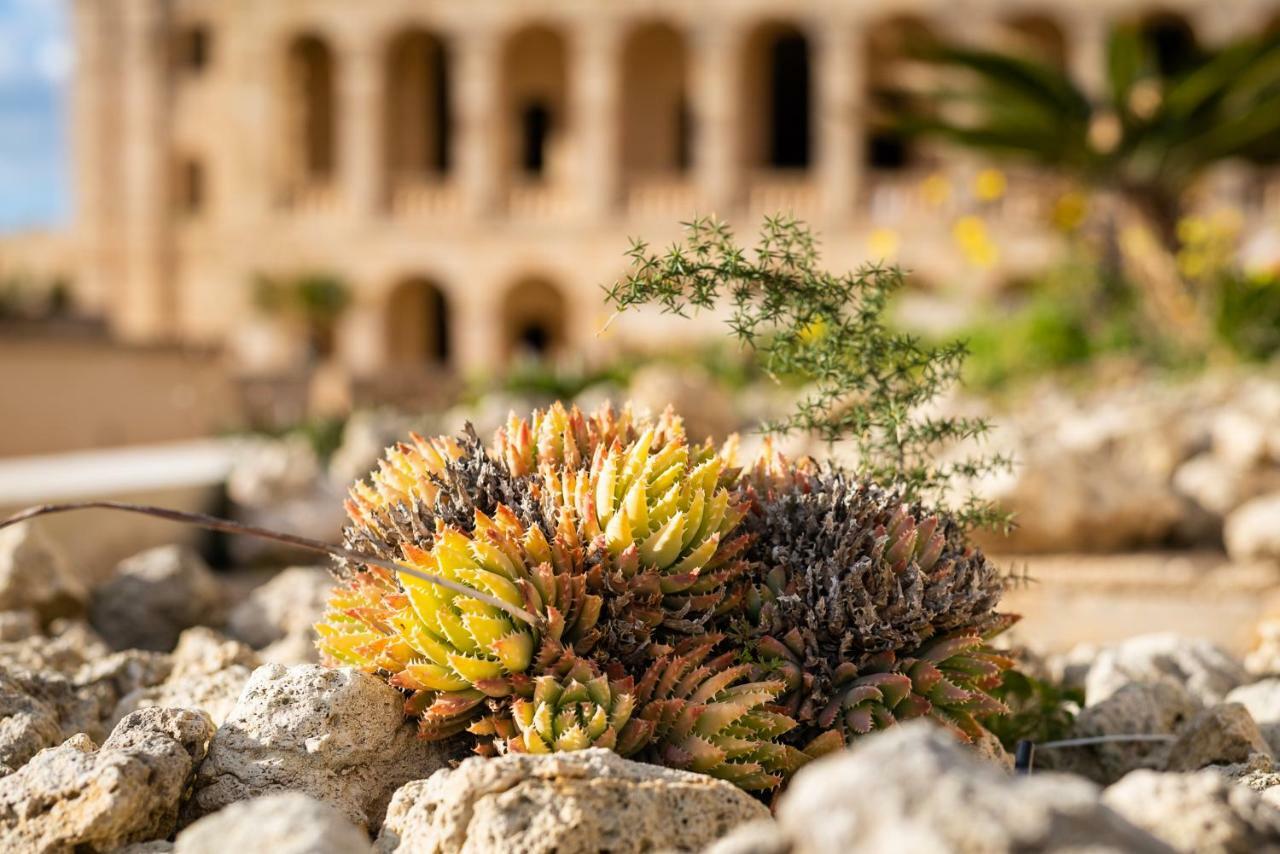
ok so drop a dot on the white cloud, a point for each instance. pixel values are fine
(54, 59)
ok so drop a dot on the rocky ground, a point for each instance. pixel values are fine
(167, 710)
(169, 707)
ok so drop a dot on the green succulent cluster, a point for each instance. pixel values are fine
(607, 583)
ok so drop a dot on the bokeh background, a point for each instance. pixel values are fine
(245, 245)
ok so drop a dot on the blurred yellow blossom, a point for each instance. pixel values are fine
(1069, 211)
(970, 234)
(883, 243)
(936, 190)
(990, 185)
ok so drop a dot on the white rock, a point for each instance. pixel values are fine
(1222, 735)
(1262, 699)
(288, 604)
(273, 470)
(1197, 813)
(201, 651)
(707, 409)
(1252, 531)
(39, 710)
(335, 734)
(1206, 670)
(69, 644)
(567, 803)
(288, 823)
(35, 574)
(1239, 438)
(1156, 708)
(912, 788)
(153, 596)
(79, 797)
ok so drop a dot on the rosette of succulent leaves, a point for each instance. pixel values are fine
(614, 584)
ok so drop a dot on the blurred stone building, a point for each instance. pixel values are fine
(473, 171)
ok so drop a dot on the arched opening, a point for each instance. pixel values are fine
(892, 76)
(1037, 37)
(1171, 42)
(536, 105)
(312, 113)
(533, 318)
(778, 103)
(418, 324)
(418, 128)
(656, 138)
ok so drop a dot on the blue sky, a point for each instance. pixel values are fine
(35, 60)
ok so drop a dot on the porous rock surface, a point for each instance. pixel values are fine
(39, 710)
(77, 797)
(34, 574)
(913, 788)
(1221, 735)
(1262, 699)
(288, 823)
(336, 734)
(569, 803)
(153, 596)
(1199, 813)
(1208, 672)
(278, 616)
(208, 673)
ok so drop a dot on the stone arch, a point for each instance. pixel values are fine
(778, 106)
(536, 103)
(418, 128)
(311, 69)
(657, 133)
(1038, 37)
(418, 323)
(1171, 40)
(534, 319)
(891, 74)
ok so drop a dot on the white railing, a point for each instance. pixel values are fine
(425, 199)
(661, 197)
(769, 193)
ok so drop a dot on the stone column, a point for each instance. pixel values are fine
(147, 305)
(476, 78)
(361, 96)
(838, 119)
(595, 75)
(716, 95)
(95, 88)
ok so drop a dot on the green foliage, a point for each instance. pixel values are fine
(315, 297)
(1246, 314)
(1038, 711)
(1153, 133)
(866, 383)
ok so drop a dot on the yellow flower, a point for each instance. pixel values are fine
(990, 185)
(883, 243)
(1069, 211)
(936, 190)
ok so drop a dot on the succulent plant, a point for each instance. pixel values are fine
(870, 611)
(589, 568)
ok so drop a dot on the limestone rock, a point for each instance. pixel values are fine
(1219, 735)
(288, 823)
(335, 734)
(208, 672)
(287, 605)
(153, 596)
(1159, 708)
(585, 801)
(913, 788)
(39, 710)
(34, 574)
(1252, 531)
(78, 797)
(1197, 813)
(1205, 669)
(68, 645)
(1262, 699)
(707, 409)
(1264, 658)
(18, 625)
(109, 679)
(762, 836)
(201, 651)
